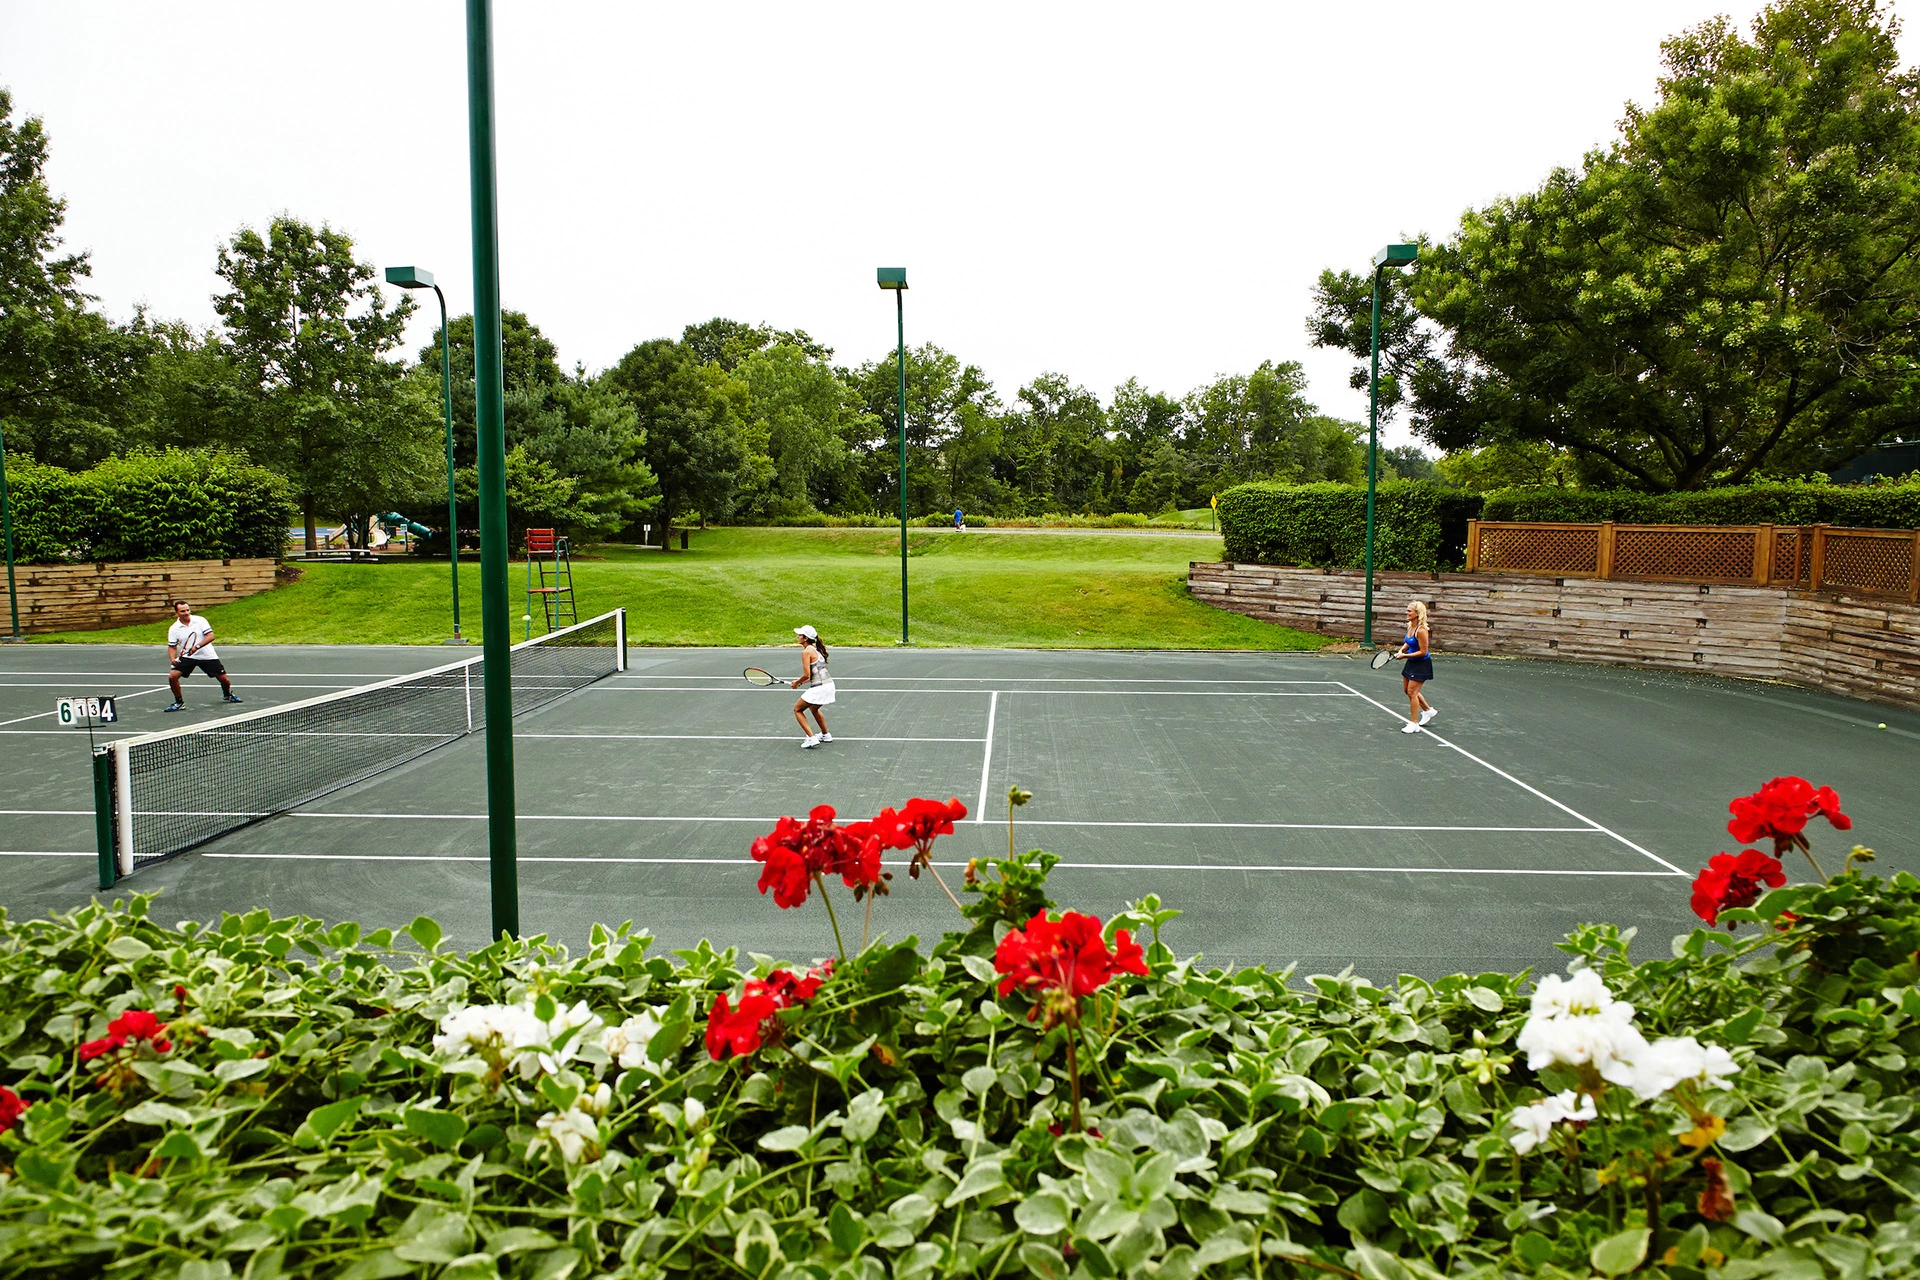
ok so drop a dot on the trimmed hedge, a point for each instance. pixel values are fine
(1876, 506)
(176, 505)
(1417, 525)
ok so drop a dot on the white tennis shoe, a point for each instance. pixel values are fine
(810, 741)
(1409, 727)
(826, 737)
(1427, 715)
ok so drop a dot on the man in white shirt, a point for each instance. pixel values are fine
(190, 647)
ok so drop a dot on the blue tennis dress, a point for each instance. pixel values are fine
(1420, 668)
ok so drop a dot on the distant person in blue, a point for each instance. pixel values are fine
(1417, 649)
(959, 520)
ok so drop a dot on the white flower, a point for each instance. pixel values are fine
(574, 1134)
(1580, 1039)
(1583, 993)
(513, 1036)
(1659, 1066)
(627, 1043)
(1533, 1123)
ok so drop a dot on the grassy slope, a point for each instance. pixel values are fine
(750, 586)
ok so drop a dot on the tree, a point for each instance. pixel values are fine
(1503, 466)
(692, 415)
(728, 343)
(1729, 291)
(1261, 426)
(309, 332)
(808, 416)
(950, 410)
(66, 372)
(1410, 462)
(1057, 443)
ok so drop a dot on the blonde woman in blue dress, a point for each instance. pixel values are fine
(816, 688)
(1417, 649)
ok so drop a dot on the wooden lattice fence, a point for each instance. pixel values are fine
(1875, 562)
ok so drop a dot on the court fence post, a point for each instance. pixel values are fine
(1913, 571)
(1817, 563)
(1603, 556)
(1473, 546)
(1762, 554)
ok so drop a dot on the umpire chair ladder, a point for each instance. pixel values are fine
(550, 580)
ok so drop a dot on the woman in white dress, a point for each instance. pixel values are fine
(816, 686)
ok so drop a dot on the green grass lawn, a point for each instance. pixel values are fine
(1091, 590)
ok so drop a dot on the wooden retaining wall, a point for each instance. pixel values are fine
(1862, 647)
(89, 597)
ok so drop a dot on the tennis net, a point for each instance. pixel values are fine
(164, 793)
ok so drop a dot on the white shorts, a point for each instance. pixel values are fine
(819, 695)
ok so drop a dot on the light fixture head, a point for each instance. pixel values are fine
(410, 277)
(893, 277)
(1396, 255)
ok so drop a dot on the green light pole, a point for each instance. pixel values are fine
(496, 634)
(421, 278)
(1396, 256)
(895, 278)
(6, 523)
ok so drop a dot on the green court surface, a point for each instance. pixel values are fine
(1271, 797)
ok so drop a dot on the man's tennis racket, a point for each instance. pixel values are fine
(1382, 657)
(754, 675)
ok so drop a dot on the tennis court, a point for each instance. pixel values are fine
(1271, 798)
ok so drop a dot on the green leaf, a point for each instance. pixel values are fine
(425, 931)
(381, 1264)
(240, 1069)
(472, 1266)
(791, 1138)
(1620, 1253)
(979, 968)
(1365, 1210)
(1043, 1213)
(1484, 998)
(1532, 1247)
(1745, 1133)
(1855, 1138)
(556, 1264)
(978, 1080)
(844, 1229)
(1376, 1263)
(1739, 1028)
(443, 1129)
(983, 1174)
(864, 1115)
(1253, 1203)
(1761, 1226)
(1687, 1252)
(180, 1144)
(756, 1244)
(127, 948)
(154, 1111)
(519, 1240)
(324, 1122)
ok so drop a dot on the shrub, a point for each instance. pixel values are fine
(1871, 506)
(46, 505)
(1417, 524)
(1035, 1095)
(176, 505)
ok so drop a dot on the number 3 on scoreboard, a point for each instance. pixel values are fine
(72, 711)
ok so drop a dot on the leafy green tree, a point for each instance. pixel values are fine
(1507, 466)
(1138, 422)
(950, 411)
(728, 343)
(66, 372)
(692, 415)
(1166, 474)
(1731, 290)
(1056, 441)
(808, 417)
(1261, 426)
(309, 332)
(1410, 462)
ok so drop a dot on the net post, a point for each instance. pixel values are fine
(103, 815)
(620, 639)
(122, 805)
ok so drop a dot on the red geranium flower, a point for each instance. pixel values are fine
(130, 1027)
(1729, 881)
(743, 1029)
(794, 852)
(1060, 961)
(1780, 811)
(12, 1107)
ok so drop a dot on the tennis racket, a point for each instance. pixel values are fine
(1381, 658)
(755, 676)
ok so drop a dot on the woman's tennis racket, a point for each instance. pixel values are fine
(755, 675)
(1381, 658)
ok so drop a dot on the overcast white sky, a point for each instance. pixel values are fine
(1103, 190)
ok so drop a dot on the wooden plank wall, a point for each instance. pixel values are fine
(1863, 647)
(88, 597)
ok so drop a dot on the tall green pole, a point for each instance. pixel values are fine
(900, 349)
(453, 515)
(6, 523)
(1373, 451)
(490, 422)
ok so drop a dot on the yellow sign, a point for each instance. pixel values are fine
(1215, 500)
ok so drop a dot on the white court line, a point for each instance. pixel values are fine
(68, 684)
(43, 715)
(46, 853)
(729, 737)
(986, 763)
(664, 675)
(768, 822)
(1568, 809)
(604, 687)
(1065, 866)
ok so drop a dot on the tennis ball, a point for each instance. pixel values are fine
(1880, 726)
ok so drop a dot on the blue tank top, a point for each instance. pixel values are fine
(1413, 644)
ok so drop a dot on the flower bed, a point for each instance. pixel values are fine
(1035, 1093)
